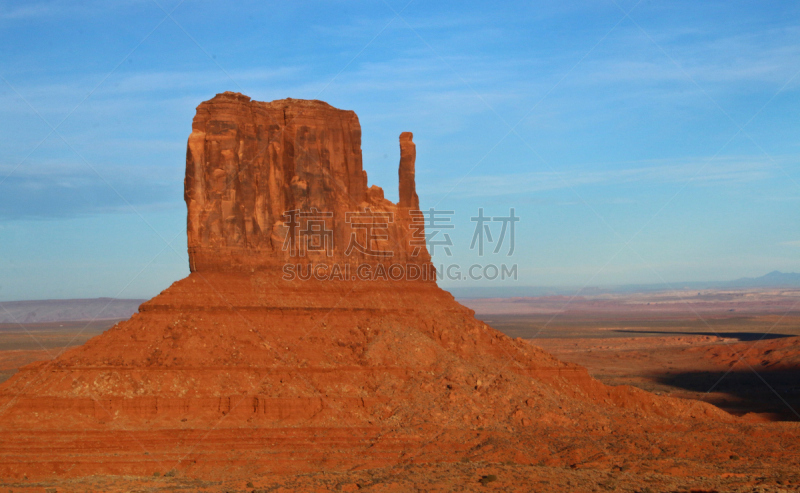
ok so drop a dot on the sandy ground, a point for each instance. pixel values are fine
(682, 367)
(436, 478)
(21, 344)
(735, 349)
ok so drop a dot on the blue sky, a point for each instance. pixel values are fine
(658, 146)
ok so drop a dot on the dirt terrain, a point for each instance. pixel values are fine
(465, 476)
(44, 311)
(669, 353)
(738, 350)
(24, 343)
(676, 355)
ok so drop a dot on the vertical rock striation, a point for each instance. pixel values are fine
(255, 169)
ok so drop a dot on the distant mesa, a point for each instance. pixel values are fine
(44, 311)
(773, 279)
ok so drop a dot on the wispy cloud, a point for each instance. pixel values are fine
(53, 189)
(767, 56)
(154, 83)
(697, 171)
(27, 11)
(11, 10)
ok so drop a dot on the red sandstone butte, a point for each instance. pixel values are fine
(236, 371)
(249, 162)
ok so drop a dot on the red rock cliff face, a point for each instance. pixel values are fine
(257, 174)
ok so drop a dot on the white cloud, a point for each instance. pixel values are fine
(29, 10)
(770, 56)
(697, 171)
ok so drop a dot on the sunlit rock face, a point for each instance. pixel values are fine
(257, 173)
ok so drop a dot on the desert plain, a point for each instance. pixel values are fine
(736, 349)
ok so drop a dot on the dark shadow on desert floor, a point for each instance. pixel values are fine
(775, 392)
(674, 350)
(741, 336)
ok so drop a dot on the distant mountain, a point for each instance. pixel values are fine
(507, 292)
(41, 311)
(774, 279)
(466, 293)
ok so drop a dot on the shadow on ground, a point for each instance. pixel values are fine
(742, 336)
(775, 392)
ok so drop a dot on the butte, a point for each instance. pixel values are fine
(245, 368)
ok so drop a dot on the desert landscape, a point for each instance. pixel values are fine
(399, 246)
(736, 349)
(241, 377)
